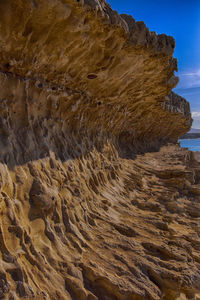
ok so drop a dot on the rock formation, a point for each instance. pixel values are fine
(97, 199)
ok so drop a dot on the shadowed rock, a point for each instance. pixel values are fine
(97, 199)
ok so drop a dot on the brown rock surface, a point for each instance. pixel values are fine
(97, 200)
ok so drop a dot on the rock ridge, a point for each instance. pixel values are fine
(97, 199)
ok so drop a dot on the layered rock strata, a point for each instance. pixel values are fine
(97, 200)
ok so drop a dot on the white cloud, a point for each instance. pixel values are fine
(189, 79)
(196, 119)
(197, 73)
(196, 114)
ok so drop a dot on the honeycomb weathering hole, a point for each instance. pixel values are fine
(92, 76)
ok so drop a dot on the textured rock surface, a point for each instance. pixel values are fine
(97, 200)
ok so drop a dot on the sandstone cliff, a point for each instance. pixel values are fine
(97, 199)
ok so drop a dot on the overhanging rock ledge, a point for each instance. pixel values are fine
(97, 199)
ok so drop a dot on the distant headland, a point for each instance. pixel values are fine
(192, 134)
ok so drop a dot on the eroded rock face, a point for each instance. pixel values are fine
(97, 200)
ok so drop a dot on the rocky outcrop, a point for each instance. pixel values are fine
(97, 201)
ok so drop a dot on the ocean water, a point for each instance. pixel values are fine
(191, 144)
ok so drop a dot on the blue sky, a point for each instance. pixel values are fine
(180, 19)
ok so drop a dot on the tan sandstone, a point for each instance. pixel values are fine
(97, 199)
